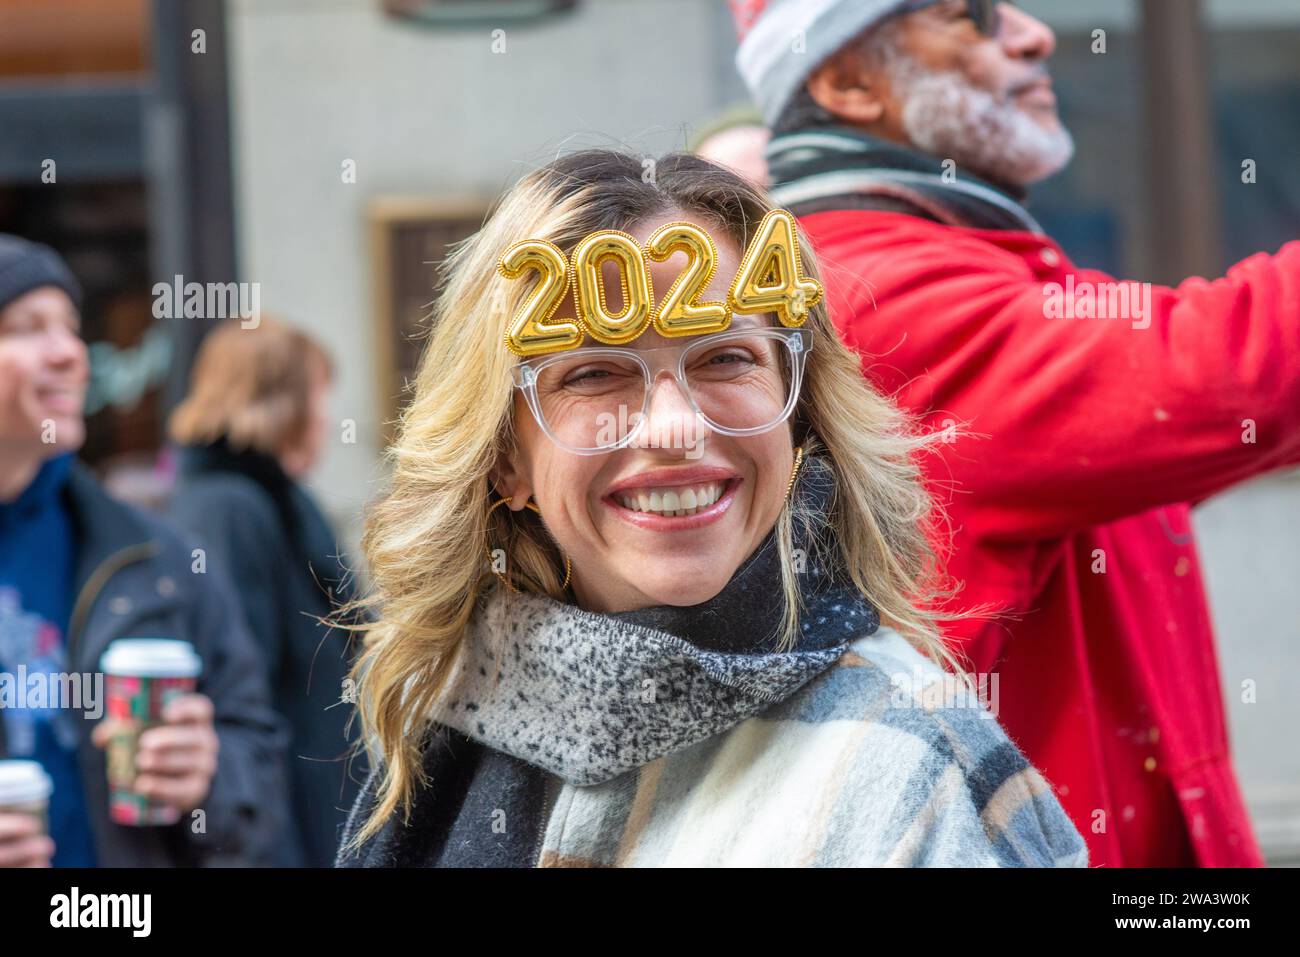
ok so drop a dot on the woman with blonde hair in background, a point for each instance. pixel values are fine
(651, 583)
(251, 429)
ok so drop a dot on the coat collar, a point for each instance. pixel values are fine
(104, 526)
(836, 167)
(110, 536)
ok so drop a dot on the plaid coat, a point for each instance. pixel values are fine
(576, 739)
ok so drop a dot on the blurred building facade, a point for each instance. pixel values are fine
(114, 149)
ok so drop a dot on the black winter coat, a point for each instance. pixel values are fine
(269, 537)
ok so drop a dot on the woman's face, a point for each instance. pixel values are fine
(626, 558)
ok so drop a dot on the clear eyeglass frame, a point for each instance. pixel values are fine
(797, 342)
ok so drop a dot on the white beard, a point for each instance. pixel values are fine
(948, 118)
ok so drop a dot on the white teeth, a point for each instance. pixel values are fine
(684, 500)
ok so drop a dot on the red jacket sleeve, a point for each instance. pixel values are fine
(1062, 422)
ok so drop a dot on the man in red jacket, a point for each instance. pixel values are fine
(1083, 416)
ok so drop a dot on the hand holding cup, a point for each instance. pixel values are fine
(175, 760)
(25, 791)
(22, 842)
(159, 736)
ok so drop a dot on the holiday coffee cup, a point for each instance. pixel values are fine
(141, 675)
(25, 788)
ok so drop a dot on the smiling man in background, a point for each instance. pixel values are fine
(79, 570)
(905, 135)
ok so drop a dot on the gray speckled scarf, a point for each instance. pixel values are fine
(591, 696)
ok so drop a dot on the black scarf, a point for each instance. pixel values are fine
(752, 604)
(832, 167)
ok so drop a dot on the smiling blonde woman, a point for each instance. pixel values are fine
(651, 583)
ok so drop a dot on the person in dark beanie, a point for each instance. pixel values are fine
(79, 570)
(251, 429)
(1087, 414)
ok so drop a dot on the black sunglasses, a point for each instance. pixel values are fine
(984, 13)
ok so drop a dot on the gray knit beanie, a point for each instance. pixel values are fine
(25, 266)
(784, 41)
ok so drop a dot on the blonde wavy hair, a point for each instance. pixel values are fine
(425, 540)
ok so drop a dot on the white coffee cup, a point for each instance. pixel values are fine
(25, 788)
(151, 658)
(141, 676)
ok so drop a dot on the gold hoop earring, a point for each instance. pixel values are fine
(794, 473)
(568, 565)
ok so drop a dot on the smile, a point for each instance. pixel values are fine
(683, 500)
(62, 400)
(657, 503)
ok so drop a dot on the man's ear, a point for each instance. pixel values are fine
(509, 481)
(844, 87)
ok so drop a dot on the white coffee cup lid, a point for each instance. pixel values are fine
(151, 658)
(22, 782)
